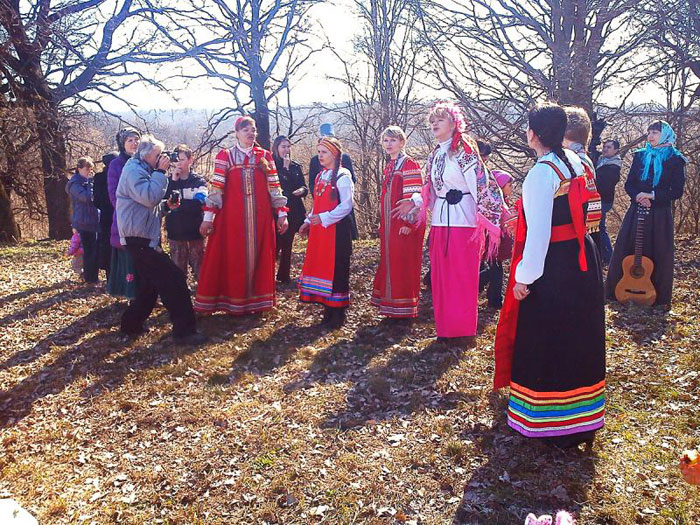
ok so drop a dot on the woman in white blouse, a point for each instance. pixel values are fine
(466, 204)
(550, 342)
(325, 277)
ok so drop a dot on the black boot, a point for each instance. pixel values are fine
(327, 316)
(337, 318)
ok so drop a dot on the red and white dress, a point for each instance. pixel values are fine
(238, 270)
(325, 276)
(397, 281)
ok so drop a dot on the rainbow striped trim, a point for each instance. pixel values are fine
(547, 414)
(315, 286)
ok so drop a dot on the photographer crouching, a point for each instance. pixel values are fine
(141, 189)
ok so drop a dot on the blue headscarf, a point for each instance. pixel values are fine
(660, 154)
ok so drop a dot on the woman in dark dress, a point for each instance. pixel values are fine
(294, 188)
(550, 341)
(655, 180)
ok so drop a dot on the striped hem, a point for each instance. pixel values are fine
(314, 285)
(336, 300)
(557, 431)
(541, 414)
(394, 311)
(234, 309)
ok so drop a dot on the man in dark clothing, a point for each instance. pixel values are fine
(184, 199)
(101, 201)
(326, 130)
(607, 177)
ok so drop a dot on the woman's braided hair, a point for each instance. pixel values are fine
(548, 122)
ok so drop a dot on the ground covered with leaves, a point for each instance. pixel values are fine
(276, 421)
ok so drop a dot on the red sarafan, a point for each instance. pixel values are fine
(690, 466)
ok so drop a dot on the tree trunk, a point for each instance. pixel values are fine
(53, 161)
(9, 231)
(262, 118)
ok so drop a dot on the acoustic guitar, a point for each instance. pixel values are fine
(636, 285)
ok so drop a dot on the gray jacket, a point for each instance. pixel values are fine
(85, 216)
(139, 193)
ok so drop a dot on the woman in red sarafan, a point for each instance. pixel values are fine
(325, 277)
(238, 270)
(397, 281)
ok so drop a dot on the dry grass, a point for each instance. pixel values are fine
(274, 421)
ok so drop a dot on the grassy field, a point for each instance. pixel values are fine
(275, 421)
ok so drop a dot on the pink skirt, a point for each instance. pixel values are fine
(454, 270)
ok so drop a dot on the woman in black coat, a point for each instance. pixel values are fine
(655, 180)
(294, 188)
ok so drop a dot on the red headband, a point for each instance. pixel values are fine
(241, 119)
(329, 146)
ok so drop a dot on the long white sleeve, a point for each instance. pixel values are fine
(346, 190)
(539, 189)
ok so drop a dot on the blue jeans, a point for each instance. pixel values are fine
(605, 244)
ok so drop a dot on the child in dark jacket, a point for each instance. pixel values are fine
(85, 218)
(184, 199)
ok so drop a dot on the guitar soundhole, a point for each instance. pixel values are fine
(637, 271)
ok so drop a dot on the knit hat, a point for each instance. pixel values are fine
(502, 178)
(326, 130)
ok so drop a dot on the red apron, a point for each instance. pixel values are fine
(316, 281)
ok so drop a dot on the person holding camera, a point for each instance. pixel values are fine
(184, 200)
(141, 189)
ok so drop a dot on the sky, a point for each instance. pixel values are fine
(338, 23)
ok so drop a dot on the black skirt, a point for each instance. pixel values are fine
(558, 370)
(658, 246)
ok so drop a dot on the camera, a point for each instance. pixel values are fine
(175, 197)
(172, 155)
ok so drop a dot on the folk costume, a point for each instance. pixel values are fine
(594, 213)
(238, 270)
(466, 205)
(550, 347)
(325, 276)
(661, 172)
(491, 273)
(397, 281)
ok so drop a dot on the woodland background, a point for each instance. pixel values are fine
(275, 420)
(68, 72)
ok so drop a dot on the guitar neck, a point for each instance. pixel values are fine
(639, 237)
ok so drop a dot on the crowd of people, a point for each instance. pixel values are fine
(550, 342)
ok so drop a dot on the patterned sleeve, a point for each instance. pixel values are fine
(214, 199)
(221, 166)
(412, 180)
(273, 186)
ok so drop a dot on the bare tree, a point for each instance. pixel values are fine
(54, 54)
(252, 49)
(380, 81)
(499, 57)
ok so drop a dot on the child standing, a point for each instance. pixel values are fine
(184, 200)
(76, 251)
(86, 218)
(492, 273)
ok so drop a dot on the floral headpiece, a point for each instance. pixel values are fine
(458, 119)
